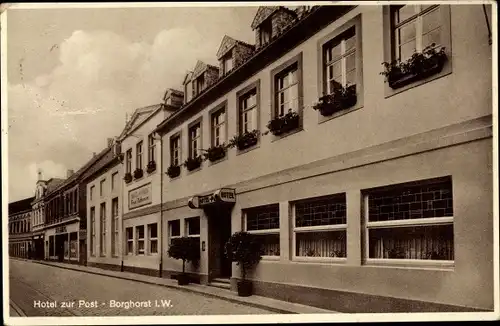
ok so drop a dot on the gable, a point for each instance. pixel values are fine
(262, 14)
(227, 44)
(199, 69)
(187, 78)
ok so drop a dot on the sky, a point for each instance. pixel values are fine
(74, 74)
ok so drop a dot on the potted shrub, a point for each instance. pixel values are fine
(127, 177)
(419, 66)
(284, 123)
(244, 249)
(340, 99)
(187, 249)
(174, 171)
(151, 167)
(193, 163)
(138, 173)
(215, 153)
(245, 140)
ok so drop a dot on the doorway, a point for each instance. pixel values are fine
(60, 246)
(219, 231)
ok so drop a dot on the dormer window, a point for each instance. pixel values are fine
(266, 30)
(200, 84)
(227, 63)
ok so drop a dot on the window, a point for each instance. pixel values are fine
(339, 57)
(128, 161)
(138, 160)
(103, 229)
(139, 230)
(248, 111)
(227, 63)
(414, 27)
(75, 200)
(92, 231)
(319, 227)
(287, 87)
(153, 238)
(174, 229)
(264, 222)
(92, 192)
(200, 84)
(151, 148)
(188, 91)
(265, 32)
(412, 221)
(218, 127)
(130, 241)
(193, 227)
(114, 180)
(194, 140)
(175, 150)
(101, 187)
(114, 226)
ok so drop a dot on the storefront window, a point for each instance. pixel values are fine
(140, 239)
(73, 245)
(263, 222)
(174, 229)
(153, 238)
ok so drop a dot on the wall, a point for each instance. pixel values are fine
(96, 201)
(143, 261)
(423, 108)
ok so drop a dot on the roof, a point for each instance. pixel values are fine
(105, 158)
(264, 12)
(187, 78)
(147, 111)
(228, 43)
(20, 206)
(52, 184)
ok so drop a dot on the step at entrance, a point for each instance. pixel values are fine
(222, 283)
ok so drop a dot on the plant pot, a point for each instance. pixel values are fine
(216, 153)
(247, 142)
(245, 288)
(151, 167)
(399, 80)
(174, 171)
(138, 173)
(182, 279)
(127, 178)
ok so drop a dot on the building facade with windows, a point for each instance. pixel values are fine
(142, 179)
(104, 209)
(20, 228)
(376, 197)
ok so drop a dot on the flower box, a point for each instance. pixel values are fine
(216, 153)
(342, 98)
(420, 66)
(193, 163)
(138, 173)
(284, 123)
(127, 177)
(174, 171)
(151, 167)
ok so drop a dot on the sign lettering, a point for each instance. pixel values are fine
(224, 195)
(61, 229)
(140, 196)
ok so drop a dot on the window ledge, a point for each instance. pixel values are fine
(195, 170)
(286, 134)
(175, 178)
(322, 119)
(411, 264)
(248, 149)
(270, 258)
(319, 260)
(210, 163)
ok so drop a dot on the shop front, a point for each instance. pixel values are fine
(217, 209)
(62, 244)
(37, 251)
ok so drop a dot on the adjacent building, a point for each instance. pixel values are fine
(377, 201)
(20, 228)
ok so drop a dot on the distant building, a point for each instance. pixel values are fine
(20, 228)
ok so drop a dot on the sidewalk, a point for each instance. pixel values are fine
(274, 305)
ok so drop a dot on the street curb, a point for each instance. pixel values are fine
(182, 288)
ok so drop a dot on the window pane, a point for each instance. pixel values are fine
(193, 226)
(175, 228)
(351, 78)
(154, 247)
(270, 244)
(263, 218)
(405, 12)
(406, 33)
(350, 43)
(350, 62)
(433, 242)
(431, 37)
(335, 70)
(407, 50)
(431, 20)
(411, 202)
(336, 51)
(321, 244)
(293, 97)
(321, 211)
(153, 230)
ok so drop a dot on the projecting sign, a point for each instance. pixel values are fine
(140, 196)
(224, 195)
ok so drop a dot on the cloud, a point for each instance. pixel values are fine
(65, 115)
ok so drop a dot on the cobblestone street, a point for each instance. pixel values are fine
(34, 288)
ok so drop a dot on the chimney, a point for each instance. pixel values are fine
(110, 142)
(69, 173)
(39, 174)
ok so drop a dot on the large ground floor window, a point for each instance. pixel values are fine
(412, 221)
(264, 222)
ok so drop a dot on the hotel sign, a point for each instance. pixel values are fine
(61, 229)
(224, 195)
(140, 196)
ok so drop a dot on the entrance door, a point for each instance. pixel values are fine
(219, 231)
(60, 246)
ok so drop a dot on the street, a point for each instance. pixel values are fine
(41, 290)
